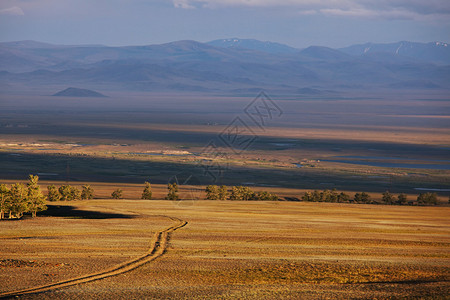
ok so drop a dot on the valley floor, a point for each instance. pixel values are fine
(229, 250)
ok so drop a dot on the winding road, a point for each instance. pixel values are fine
(157, 248)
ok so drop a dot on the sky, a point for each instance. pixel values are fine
(298, 23)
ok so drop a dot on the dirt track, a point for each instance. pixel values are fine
(157, 248)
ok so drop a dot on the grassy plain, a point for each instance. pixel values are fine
(229, 250)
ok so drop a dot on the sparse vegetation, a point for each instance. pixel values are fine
(392, 252)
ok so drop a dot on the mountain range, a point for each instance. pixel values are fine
(229, 65)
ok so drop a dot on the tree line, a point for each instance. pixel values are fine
(334, 196)
(20, 198)
(69, 193)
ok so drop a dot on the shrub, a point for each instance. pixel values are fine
(116, 194)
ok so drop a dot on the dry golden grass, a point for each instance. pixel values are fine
(228, 250)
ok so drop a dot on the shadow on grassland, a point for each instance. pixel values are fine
(80, 168)
(71, 212)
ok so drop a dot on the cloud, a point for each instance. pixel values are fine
(183, 4)
(13, 11)
(392, 9)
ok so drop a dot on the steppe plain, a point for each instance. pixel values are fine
(230, 249)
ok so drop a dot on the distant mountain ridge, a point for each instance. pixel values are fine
(269, 47)
(228, 65)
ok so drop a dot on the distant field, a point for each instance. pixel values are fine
(350, 142)
(229, 250)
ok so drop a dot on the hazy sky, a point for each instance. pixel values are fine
(298, 23)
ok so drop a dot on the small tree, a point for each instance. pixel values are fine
(212, 192)
(343, 198)
(362, 197)
(116, 194)
(147, 193)
(316, 196)
(18, 200)
(223, 192)
(87, 193)
(307, 196)
(173, 191)
(427, 199)
(326, 196)
(53, 193)
(388, 198)
(4, 200)
(402, 198)
(69, 193)
(235, 193)
(35, 199)
(333, 196)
